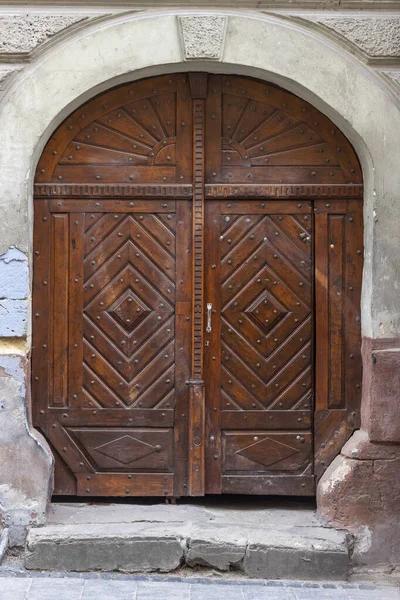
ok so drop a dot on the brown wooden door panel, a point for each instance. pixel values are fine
(121, 484)
(119, 449)
(260, 485)
(114, 417)
(119, 320)
(260, 353)
(257, 451)
(338, 264)
(152, 200)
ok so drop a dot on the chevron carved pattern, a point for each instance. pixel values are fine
(266, 312)
(129, 296)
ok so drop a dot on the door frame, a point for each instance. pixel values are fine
(331, 201)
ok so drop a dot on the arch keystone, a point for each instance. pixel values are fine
(203, 37)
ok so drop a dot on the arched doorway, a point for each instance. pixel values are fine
(198, 259)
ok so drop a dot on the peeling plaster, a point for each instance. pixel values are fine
(13, 254)
(16, 346)
(340, 468)
(364, 540)
(14, 277)
(13, 274)
(13, 318)
(12, 366)
(25, 460)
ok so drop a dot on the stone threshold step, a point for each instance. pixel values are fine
(266, 544)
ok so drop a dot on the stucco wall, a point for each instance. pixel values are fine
(71, 56)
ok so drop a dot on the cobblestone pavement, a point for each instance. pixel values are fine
(56, 586)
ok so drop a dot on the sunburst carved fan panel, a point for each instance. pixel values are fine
(260, 139)
(269, 137)
(137, 134)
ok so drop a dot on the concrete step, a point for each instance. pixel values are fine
(273, 543)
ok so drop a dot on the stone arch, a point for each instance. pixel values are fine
(138, 45)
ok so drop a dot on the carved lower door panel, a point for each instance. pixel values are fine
(259, 347)
(118, 346)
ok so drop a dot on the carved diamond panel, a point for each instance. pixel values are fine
(121, 448)
(263, 451)
(267, 451)
(126, 449)
(129, 310)
(266, 312)
(129, 295)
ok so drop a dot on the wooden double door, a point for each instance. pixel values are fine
(197, 266)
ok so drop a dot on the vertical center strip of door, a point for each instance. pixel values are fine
(198, 86)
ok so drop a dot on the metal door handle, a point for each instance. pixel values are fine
(209, 308)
